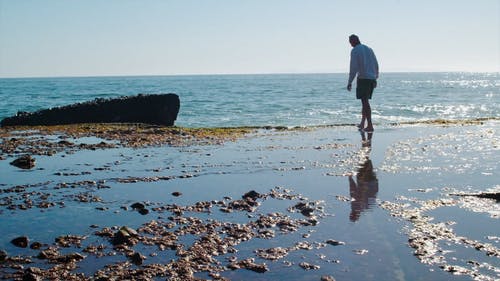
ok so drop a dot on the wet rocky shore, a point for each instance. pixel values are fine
(142, 202)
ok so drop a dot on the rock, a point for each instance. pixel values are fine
(137, 206)
(48, 254)
(327, 278)
(72, 257)
(304, 208)
(252, 195)
(69, 240)
(161, 109)
(136, 258)
(486, 195)
(3, 255)
(132, 232)
(360, 252)
(176, 193)
(36, 245)
(307, 211)
(250, 265)
(124, 235)
(65, 142)
(21, 241)
(334, 242)
(32, 274)
(308, 266)
(24, 162)
(272, 253)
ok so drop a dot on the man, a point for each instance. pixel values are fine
(364, 65)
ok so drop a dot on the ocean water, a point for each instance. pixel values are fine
(352, 182)
(274, 99)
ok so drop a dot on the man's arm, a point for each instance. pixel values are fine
(353, 69)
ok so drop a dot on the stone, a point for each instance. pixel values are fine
(24, 162)
(308, 266)
(124, 235)
(3, 255)
(140, 207)
(21, 241)
(73, 257)
(327, 278)
(272, 253)
(334, 242)
(31, 276)
(137, 206)
(50, 253)
(160, 109)
(136, 258)
(36, 245)
(249, 264)
(252, 195)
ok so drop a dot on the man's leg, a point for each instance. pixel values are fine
(361, 125)
(367, 114)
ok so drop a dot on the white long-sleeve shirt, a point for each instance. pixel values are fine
(363, 63)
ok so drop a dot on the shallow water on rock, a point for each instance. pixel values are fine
(316, 185)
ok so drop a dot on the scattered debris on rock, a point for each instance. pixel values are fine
(426, 236)
(211, 239)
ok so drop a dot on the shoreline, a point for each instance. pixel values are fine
(143, 135)
(277, 202)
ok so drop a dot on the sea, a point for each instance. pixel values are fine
(402, 203)
(274, 99)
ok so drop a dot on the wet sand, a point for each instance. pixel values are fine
(154, 203)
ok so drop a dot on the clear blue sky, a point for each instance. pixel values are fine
(165, 37)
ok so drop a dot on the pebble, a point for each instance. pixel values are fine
(3, 255)
(334, 242)
(136, 258)
(360, 251)
(308, 266)
(140, 208)
(137, 206)
(21, 241)
(125, 235)
(176, 193)
(24, 162)
(36, 245)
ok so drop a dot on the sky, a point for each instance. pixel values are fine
(53, 38)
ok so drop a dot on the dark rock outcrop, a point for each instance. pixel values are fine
(161, 109)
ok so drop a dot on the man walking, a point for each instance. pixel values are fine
(364, 65)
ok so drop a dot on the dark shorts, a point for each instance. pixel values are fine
(364, 88)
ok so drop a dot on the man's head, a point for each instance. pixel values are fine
(354, 40)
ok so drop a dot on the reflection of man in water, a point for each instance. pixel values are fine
(364, 189)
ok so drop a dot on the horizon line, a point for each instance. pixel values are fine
(223, 74)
